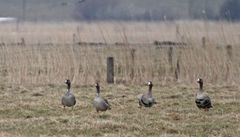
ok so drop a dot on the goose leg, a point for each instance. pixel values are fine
(140, 104)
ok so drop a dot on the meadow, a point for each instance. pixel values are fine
(35, 59)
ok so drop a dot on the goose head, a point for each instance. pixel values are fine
(199, 80)
(150, 86)
(150, 83)
(68, 82)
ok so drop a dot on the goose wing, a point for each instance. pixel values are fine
(146, 101)
(203, 101)
(101, 104)
(107, 103)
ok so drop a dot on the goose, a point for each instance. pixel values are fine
(100, 103)
(68, 99)
(202, 100)
(147, 99)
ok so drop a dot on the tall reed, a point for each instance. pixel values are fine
(49, 53)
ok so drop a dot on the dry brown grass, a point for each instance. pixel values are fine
(33, 70)
(49, 53)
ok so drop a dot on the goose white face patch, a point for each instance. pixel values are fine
(149, 83)
(198, 80)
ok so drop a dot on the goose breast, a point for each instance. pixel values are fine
(68, 100)
(146, 100)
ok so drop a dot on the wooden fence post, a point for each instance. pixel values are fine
(177, 33)
(132, 63)
(177, 70)
(110, 70)
(74, 39)
(203, 42)
(170, 57)
(229, 51)
(22, 43)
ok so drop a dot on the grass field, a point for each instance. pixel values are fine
(35, 59)
(36, 111)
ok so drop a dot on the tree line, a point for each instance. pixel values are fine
(118, 10)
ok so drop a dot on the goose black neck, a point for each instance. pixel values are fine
(68, 86)
(200, 85)
(98, 90)
(150, 88)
